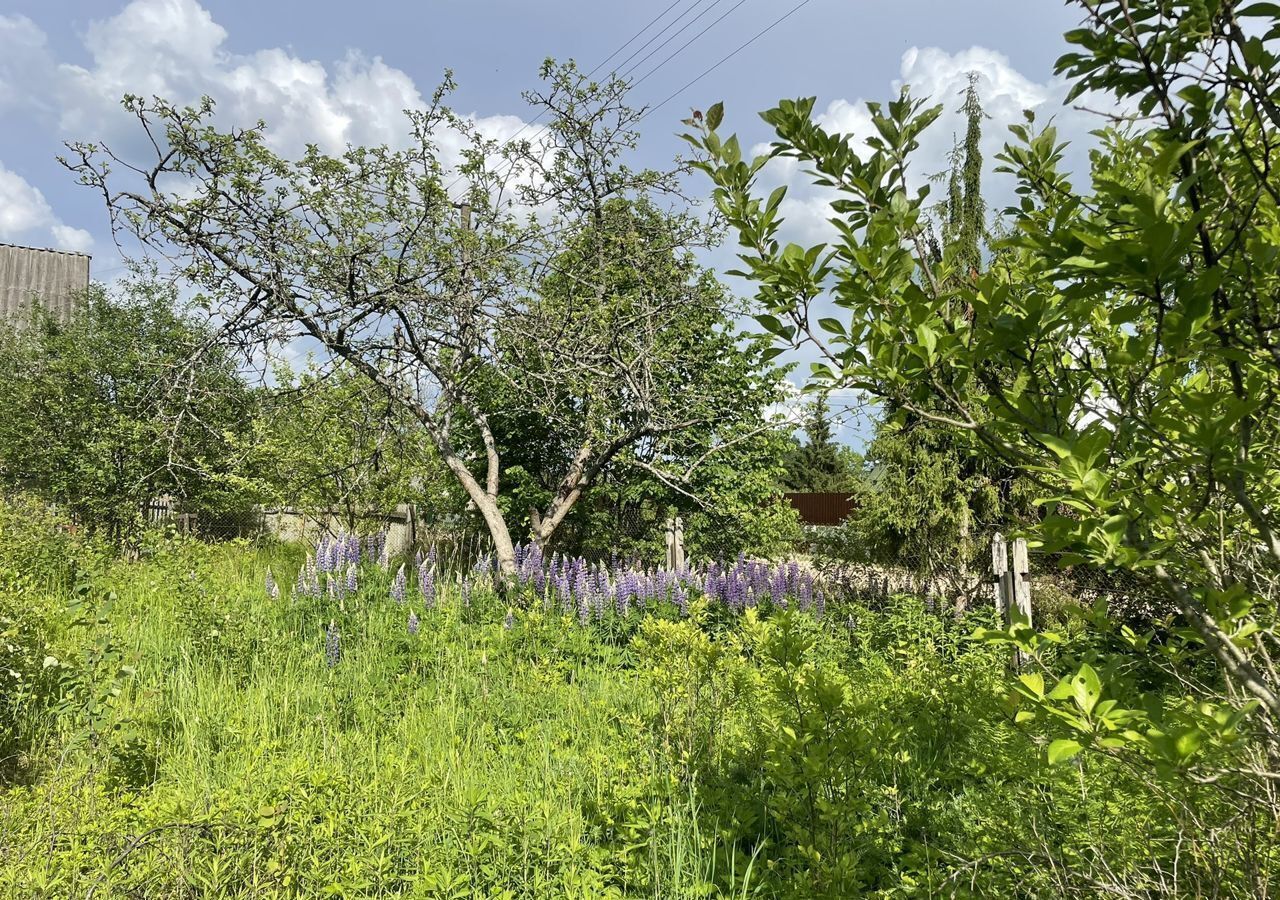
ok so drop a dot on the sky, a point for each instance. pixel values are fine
(337, 73)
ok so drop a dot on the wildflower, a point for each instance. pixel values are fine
(414, 623)
(273, 589)
(682, 600)
(819, 604)
(332, 644)
(351, 578)
(427, 584)
(509, 620)
(582, 588)
(398, 586)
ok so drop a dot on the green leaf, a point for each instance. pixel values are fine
(1062, 750)
(715, 115)
(1034, 682)
(1086, 688)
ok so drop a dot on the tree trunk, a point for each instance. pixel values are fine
(503, 547)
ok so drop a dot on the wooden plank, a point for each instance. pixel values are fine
(1021, 579)
(999, 569)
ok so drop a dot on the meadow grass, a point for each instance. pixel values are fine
(203, 740)
(468, 759)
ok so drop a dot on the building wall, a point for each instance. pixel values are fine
(54, 277)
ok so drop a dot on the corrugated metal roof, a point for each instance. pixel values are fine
(29, 274)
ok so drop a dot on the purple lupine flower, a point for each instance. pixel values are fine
(351, 578)
(273, 589)
(582, 588)
(778, 589)
(414, 622)
(623, 593)
(805, 587)
(682, 600)
(819, 604)
(332, 644)
(509, 620)
(398, 586)
(335, 557)
(427, 584)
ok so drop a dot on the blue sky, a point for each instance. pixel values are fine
(338, 72)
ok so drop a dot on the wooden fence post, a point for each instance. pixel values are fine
(999, 569)
(675, 544)
(1021, 578)
(679, 546)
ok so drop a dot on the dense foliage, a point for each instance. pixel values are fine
(1119, 351)
(210, 730)
(564, 274)
(818, 463)
(106, 412)
(331, 445)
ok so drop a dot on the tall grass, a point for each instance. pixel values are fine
(444, 764)
(192, 738)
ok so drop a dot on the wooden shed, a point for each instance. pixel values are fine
(28, 275)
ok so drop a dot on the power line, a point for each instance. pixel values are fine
(664, 30)
(686, 44)
(677, 34)
(744, 45)
(652, 22)
(509, 141)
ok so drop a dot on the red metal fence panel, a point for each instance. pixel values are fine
(821, 509)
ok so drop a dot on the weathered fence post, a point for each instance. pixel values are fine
(679, 546)
(999, 568)
(675, 544)
(1021, 578)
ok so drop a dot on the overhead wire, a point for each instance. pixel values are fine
(627, 72)
(622, 65)
(686, 44)
(744, 45)
(523, 128)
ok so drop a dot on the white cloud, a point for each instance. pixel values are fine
(937, 77)
(26, 217)
(22, 207)
(176, 50)
(66, 237)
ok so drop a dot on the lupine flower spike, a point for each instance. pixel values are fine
(413, 623)
(399, 585)
(273, 589)
(332, 645)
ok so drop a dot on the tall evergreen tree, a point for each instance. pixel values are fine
(964, 216)
(820, 464)
(934, 497)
